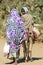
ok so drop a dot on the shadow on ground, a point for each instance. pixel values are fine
(21, 60)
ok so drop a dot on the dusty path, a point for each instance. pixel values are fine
(37, 54)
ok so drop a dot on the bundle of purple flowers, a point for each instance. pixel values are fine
(15, 30)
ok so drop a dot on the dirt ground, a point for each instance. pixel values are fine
(37, 55)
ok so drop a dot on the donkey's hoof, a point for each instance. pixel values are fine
(31, 60)
(26, 59)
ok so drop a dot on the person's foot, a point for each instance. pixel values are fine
(13, 59)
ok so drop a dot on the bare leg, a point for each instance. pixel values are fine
(15, 61)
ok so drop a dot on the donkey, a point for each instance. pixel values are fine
(27, 47)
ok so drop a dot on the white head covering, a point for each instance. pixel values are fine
(25, 9)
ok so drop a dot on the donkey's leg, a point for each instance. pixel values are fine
(24, 49)
(30, 47)
(28, 51)
(26, 44)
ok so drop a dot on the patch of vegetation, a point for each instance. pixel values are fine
(35, 7)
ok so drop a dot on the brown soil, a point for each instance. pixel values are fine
(37, 55)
